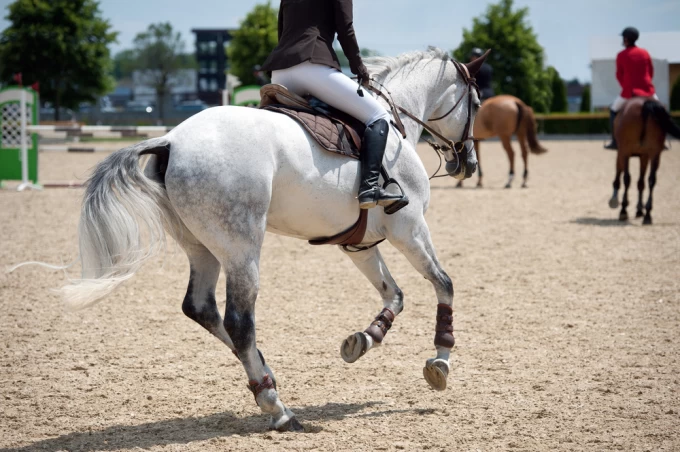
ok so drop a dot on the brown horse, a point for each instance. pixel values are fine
(640, 130)
(503, 116)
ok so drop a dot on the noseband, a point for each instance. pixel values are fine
(458, 147)
(469, 84)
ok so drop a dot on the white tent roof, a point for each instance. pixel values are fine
(663, 45)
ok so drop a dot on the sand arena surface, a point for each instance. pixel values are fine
(566, 325)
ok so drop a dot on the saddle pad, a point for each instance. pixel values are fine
(333, 135)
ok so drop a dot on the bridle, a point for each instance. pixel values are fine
(458, 147)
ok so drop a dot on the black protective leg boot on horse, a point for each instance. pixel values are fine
(372, 152)
(613, 145)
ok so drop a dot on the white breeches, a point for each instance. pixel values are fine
(332, 87)
(619, 101)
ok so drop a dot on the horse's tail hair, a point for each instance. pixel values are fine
(119, 205)
(530, 128)
(661, 116)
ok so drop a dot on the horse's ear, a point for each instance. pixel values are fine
(473, 66)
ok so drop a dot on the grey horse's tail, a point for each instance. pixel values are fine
(122, 223)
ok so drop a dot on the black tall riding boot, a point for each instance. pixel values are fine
(372, 152)
(613, 144)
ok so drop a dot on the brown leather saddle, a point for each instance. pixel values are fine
(336, 132)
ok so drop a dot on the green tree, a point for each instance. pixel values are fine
(158, 56)
(675, 95)
(124, 63)
(516, 56)
(252, 43)
(585, 99)
(63, 45)
(558, 98)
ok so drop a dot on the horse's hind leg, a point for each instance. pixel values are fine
(240, 257)
(522, 139)
(620, 163)
(415, 243)
(641, 184)
(371, 264)
(199, 302)
(614, 200)
(507, 145)
(479, 166)
(623, 215)
(652, 183)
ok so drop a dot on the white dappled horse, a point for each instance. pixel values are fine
(226, 175)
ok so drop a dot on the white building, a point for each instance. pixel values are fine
(663, 47)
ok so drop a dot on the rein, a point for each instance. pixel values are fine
(458, 147)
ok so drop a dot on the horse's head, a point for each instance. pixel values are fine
(454, 117)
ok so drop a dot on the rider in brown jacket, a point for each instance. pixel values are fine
(304, 62)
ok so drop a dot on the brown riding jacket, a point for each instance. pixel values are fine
(307, 29)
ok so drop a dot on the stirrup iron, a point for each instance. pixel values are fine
(399, 204)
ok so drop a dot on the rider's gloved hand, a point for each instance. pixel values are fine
(362, 73)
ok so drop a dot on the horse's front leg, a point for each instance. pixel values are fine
(415, 243)
(371, 264)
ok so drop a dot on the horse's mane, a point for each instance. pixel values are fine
(382, 67)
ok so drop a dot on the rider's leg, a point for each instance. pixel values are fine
(613, 110)
(339, 91)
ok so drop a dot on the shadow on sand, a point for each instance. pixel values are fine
(187, 430)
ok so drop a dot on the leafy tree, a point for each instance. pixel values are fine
(61, 44)
(585, 99)
(558, 101)
(252, 43)
(516, 56)
(124, 64)
(158, 55)
(675, 95)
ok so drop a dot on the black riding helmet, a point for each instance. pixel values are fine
(476, 52)
(631, 34)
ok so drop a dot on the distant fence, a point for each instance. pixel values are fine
(77, 131)
(577, 123)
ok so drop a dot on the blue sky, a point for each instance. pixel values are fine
(564, 28)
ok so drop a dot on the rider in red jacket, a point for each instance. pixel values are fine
(634, 71)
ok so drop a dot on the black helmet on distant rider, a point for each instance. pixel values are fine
(631, 34)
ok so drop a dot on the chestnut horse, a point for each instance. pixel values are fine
(503, 116)
(640, 130)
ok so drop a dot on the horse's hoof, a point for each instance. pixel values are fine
(614, 203)
(480, 185)
(435, 373)
(647, 220)
(354, 347)
(639, 214)
(623, 216)
(508, 185)
(524, 185)
(291, 425)
(459, 184)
